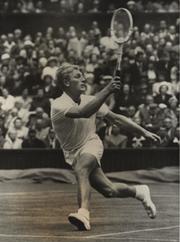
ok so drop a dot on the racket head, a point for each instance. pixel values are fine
(121, 25)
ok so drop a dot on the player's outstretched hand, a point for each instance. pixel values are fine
(152, 136)
(115, 84)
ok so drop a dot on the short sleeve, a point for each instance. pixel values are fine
(103, 111)
(59, 110)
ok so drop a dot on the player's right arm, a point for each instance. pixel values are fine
(93, 106)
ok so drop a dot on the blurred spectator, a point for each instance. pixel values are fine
(18, 128)
(7, 100)
(51, 141)
(12, 141)
(41, 129)
(32, 141)
(163, 96)
(2, 139)
(170, 130)
(176, 140)
(123, 99)
(115, 139)
(40, 101)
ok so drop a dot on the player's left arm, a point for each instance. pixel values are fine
(127, 123)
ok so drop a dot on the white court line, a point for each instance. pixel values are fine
(54, 191)
(139, 239)
(100, 236)
(133, 231)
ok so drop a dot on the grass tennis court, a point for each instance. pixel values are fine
(38, 213)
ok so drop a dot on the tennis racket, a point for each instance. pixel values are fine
(121, 30)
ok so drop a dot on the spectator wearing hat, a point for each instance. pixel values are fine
(32, 141)
(161, 81)
(12, 141)
(52, 63)
(5, 59)
(49, 87)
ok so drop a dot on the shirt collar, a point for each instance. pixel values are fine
(68, 98)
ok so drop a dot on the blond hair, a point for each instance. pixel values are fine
(64, 72)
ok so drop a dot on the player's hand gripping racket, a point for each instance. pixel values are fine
(121, 30)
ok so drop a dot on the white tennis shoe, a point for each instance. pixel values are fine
(143, 194)
(79, 220)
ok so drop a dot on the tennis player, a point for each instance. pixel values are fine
(73, 117)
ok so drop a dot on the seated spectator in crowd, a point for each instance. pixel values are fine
(161, 81)
(7, 100)
(12, 141)
(115, 139)
(170, 130)
(152, 119)
(25, 99)
(50, 90)
(165, 140)
(32, 141)
(2, 126)
(18, 128)
(10, 117)
(123, 99)
(163, 96)
(176, 140)
(40, 100)
(2, 139)
(171, 110)
(42, 129)
(143, 109)
(51, 141)
(131, 112)
(22, 113)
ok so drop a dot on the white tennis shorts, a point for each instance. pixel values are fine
(93, 146)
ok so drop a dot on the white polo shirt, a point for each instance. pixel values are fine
(72, 133)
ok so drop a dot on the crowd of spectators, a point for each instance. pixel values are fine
(85, 6)
(149, 94)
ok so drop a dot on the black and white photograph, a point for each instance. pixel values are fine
(89, 121)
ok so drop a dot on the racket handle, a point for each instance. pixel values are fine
(119, 58)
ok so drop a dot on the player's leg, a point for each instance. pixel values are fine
(109, 189)
(83, 166)
(103, 185)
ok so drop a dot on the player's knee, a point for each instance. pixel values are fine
(110, 192)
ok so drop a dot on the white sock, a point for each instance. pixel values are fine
(139, 192)
(84, 212)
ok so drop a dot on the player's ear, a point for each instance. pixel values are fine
(66, 82)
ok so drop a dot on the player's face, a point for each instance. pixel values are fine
(78, 81)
